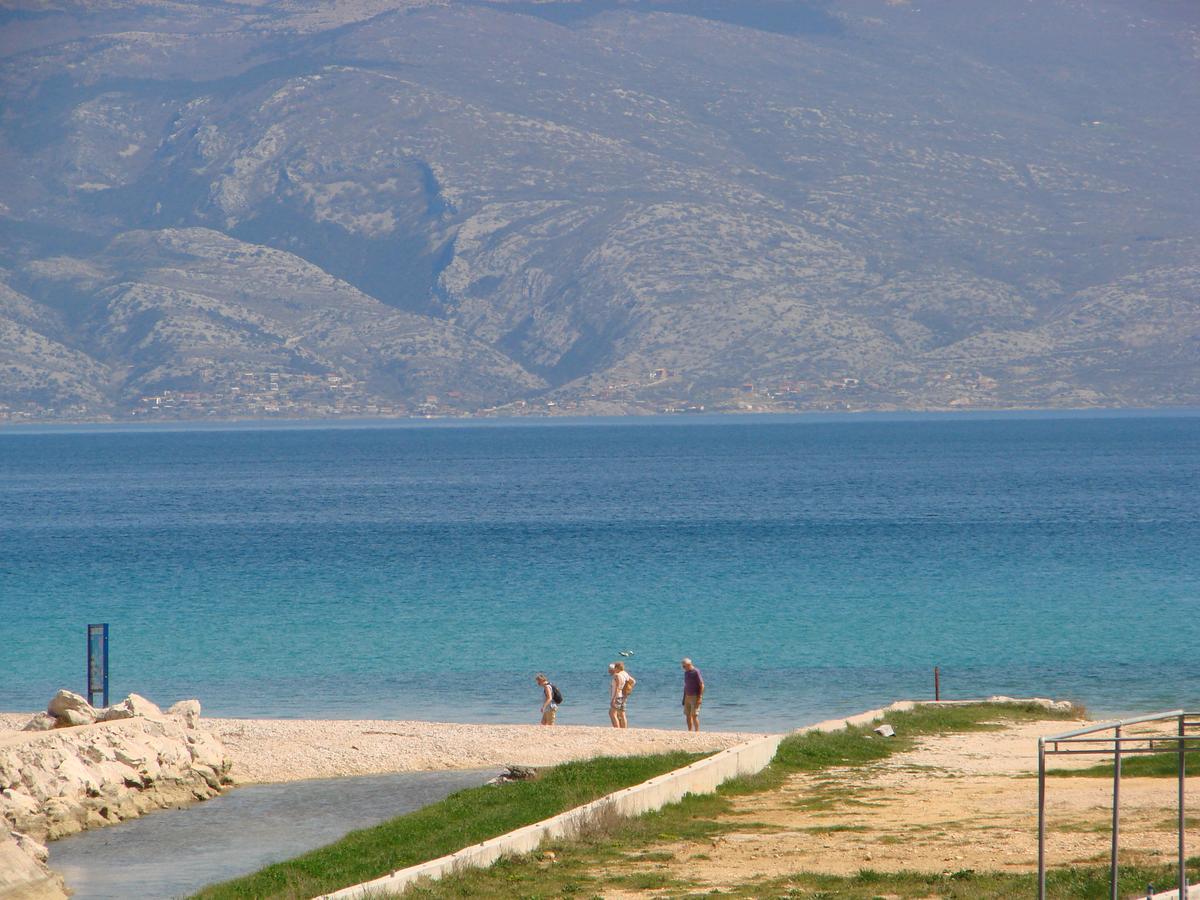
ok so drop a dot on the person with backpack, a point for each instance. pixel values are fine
(552, 698)
(619, 691)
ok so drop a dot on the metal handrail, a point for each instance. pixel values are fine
(1118, 750)
(1121, 723)
(1129, 737)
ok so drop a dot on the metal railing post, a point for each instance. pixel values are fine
(1116, 813)
(1041, 819)
(1081, 741)
(1182, 818)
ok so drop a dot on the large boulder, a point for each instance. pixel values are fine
(67, 701)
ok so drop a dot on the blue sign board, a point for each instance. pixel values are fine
(97, 669)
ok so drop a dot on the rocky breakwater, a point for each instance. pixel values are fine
(75, 767)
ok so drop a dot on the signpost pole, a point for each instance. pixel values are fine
(97, 662)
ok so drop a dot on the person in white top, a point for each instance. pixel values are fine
(549, 707)
(619, 691)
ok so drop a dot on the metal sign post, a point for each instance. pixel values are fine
(97, 664)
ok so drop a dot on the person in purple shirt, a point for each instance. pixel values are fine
(693, 694)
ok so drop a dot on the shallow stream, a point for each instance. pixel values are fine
(174, 853)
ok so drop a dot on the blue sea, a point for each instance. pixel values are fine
(810, 567)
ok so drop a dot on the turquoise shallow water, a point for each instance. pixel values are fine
(811, 568)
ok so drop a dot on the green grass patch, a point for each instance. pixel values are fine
(859, 745)
(1149, 765)
(532, 880)
(464, 818)
(1075, 883)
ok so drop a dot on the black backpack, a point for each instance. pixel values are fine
(555, 694)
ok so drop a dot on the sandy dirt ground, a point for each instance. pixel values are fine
(963, 801)
(276, 750)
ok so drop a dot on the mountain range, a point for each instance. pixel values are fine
(476, 207)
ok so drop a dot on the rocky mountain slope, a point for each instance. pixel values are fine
(448, 206)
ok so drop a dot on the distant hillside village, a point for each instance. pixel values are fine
(287, 395)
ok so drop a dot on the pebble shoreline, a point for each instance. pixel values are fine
(275, 750)
(280, 750)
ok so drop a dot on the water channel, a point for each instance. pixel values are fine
(173, 853)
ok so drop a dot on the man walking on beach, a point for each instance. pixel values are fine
(619, 690)
(693, 694)
(549, 704)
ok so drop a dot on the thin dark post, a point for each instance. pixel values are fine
(1182, 821)
(1041, 819)
(97, 662)
(937, 685)
(1116, 825)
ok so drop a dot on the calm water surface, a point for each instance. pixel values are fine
(810, 568)
(174, 853)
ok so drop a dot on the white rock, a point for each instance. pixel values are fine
(66, 700)
(71, 718)
(132, 758)
(72, 779)
(40, 722)
(118, 711)
(1062, 706)
(35, 849)
(885, 730)
(22, 875)
(19, 803)
(131, 707)
(188, 710)
(140, 706)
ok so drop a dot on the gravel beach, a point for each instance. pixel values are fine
(276, 750)
(267, 750)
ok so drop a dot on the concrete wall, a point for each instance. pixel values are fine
(1193, 893)
(702, 777)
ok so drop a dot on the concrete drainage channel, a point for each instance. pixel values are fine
(702, 777)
